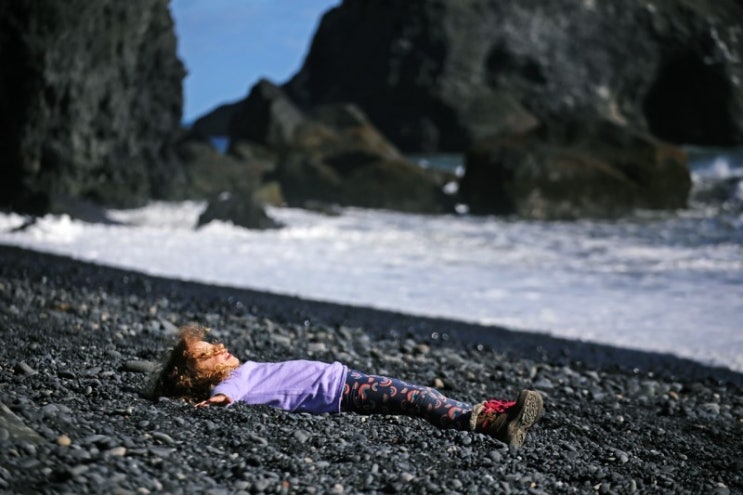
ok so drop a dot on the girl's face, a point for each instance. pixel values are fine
(212, 356)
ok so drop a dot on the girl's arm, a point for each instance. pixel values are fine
(216, 400)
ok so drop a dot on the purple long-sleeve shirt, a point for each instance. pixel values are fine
(300, 385)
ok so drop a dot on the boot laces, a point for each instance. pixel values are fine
(496, 406)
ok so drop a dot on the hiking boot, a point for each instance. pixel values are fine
(507, 420)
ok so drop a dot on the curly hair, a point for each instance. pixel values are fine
(180, 376)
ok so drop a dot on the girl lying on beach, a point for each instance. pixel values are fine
(208, 374)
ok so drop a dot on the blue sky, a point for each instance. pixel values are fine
(227, 45)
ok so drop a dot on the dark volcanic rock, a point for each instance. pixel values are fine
(267, 117)
(441, 74)
(242, 211)
(90, 101)
(209, 173)
(217, 121)
(599, 170)
(234, 184)
(331, 154)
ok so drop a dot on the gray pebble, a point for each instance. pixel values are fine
(140, 366)
(24, 369)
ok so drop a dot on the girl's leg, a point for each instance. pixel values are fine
(371, 394)
(508, 421)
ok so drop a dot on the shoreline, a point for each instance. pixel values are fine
(74, 416)
(378, 322)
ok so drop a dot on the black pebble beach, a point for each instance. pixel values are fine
(78, 340)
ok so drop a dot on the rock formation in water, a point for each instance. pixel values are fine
(330, 154)
(90, 102)
(606, 170)
(441, 74)
(90, 105)
(587, 89)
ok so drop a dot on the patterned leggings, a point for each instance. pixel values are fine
(371, 394)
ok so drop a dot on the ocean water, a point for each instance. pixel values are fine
(668, 282)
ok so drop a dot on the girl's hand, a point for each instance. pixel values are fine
(217, 400)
